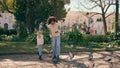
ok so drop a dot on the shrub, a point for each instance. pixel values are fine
(10, 38)
(33, 37)
(7, 32)
(114, 36)
(74, 37)
(47, 39)
(96, 38)
(12, 32)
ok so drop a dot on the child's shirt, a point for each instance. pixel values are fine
(40, 40)
(54, 30)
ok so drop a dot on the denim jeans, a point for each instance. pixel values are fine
(40, 50)
(56, 45)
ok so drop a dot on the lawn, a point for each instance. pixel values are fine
(26, 47)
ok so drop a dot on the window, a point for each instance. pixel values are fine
(6, 26)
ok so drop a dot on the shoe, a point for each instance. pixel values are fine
(58, 58)
(54, 60)
(40, 57)
(53, 57)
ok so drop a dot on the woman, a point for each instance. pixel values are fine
(55, 37)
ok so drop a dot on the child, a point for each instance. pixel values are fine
(40, 42)
(55, 37)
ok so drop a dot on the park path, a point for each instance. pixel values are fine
(100, 60)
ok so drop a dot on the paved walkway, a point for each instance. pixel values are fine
(80, 60)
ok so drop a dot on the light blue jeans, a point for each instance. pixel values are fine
(40, 50)
(56, 45)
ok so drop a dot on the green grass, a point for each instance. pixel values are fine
(26, 47)
(16, 47)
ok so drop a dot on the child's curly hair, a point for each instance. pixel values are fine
(51, 18)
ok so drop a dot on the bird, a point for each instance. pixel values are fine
(109, 59)
(71, 56)
(90, 57)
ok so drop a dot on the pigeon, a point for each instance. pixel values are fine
(90, 57)
(109, 59)
(71, 56)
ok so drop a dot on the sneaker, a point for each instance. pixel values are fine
(40, 57)
(53, 57)
(58, 58)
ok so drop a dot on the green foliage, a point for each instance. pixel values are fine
(58, 8)
(33, 37)
(47, 39)
(96, 38)
(115, 36)
(10, 38)
(8, 32)
(8, 5)
(74, 37)
(30, 11)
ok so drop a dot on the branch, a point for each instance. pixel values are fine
(96, 2)
(88, 8)
(101, 4)
(95, 14)
(91, 15)
(109, 4)
(109, 14)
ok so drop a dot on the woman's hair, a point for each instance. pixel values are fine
(50, 19)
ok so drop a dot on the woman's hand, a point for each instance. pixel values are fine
(56, 31)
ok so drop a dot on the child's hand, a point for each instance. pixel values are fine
(51, 40)
(36, 46)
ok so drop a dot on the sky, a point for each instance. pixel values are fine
(77, 5)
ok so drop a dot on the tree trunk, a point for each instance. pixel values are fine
(104, 21)
(104, 24)
(27, 17)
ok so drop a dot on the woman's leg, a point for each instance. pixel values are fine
(53, 46)
(58, 45)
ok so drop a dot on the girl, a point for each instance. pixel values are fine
(40, 42)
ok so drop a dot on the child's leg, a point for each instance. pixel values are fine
(40, 50)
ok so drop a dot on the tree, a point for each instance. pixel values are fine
(104, 5)
(28, 11)
(58, 8)
(8, 5)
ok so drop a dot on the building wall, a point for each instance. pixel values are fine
(80, 17)
(7, 18)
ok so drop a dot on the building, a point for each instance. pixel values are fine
(91, 20)
(7, 20)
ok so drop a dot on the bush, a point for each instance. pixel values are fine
(7, 32)
(47, 39)
(33, 37)
(74, 37)
(1, 31)
(114, 36)
(96, 38)
(10, 38)
(12, 32)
